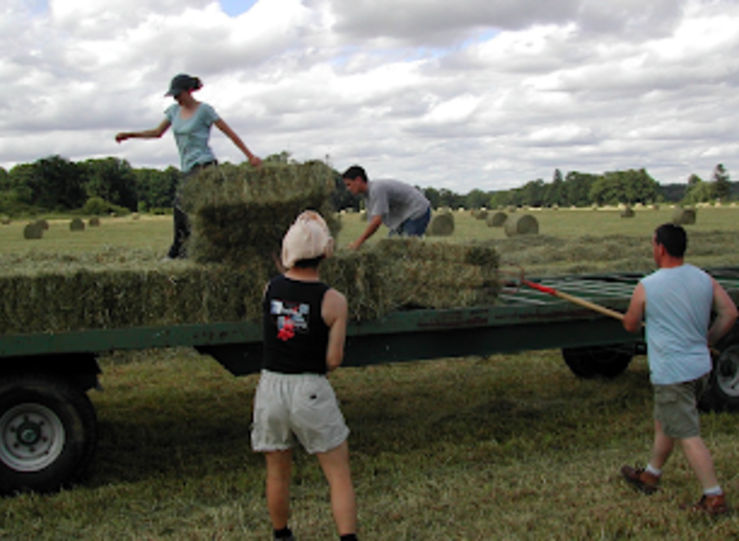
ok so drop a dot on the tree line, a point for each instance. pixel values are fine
(102, 185)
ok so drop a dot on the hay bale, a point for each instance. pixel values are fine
(511, 209)
(94, 222)
(442, 225)
(627, 212)
(5, 220)
(480, 214)
(33, 230)
(77, 225)
(119, 287)
(239, 213)
(43, 224)
(497, 219)
(684, 216)
(521, 224)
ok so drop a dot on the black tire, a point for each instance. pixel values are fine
(48, 433)
(597, 361)
(722, 392)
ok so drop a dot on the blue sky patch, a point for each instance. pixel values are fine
(234, 8)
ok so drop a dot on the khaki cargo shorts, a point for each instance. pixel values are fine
(302, 406)
(675, 407)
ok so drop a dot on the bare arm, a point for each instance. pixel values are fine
(335, 313)
(726, 314)
(373, 226)
(226, 129)
(635, 314)
(153, 133)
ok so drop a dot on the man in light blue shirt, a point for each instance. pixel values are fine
(678, 300)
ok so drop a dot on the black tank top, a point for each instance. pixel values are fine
(295, 335)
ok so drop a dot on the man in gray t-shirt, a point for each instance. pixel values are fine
(402, 208)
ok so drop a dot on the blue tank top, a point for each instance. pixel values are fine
(295, 335)
(678, 314)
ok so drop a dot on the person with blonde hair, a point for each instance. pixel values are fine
(304, 322)
(191, 122)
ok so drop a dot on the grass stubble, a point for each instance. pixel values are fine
(503, 447)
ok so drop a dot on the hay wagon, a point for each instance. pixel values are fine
(48, 425)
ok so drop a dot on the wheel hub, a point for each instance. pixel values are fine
(728, 371)
(31, 437)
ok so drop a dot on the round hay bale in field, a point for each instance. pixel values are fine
(555, 207)
(135, 216)
(497, 219)
(655, 206)
(481, 214)
(5, 220)
(683, 216)
(77, 225)
(33, 231)
(43, 224)
(521, 224)
(94, 221)
(511, 209)
(627, 212)
(442, 225)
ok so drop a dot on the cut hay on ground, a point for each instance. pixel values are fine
(442, 225)
(521, 224)
(684, 216)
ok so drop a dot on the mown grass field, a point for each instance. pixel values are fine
(502, 447)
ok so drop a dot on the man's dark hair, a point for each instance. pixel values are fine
(673, 238)
(355, 171)
(311, 263)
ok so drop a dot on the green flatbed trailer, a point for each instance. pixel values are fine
(48, 429)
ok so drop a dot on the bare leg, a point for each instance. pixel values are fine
(662, 448)
(335, 466)
(699, 458)
(279, 470)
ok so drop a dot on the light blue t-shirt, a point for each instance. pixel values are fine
(678, 314)
(395, 202)
(192, 134)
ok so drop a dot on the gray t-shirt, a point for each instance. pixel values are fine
(394, 201)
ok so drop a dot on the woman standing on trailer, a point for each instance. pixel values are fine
(191, 121)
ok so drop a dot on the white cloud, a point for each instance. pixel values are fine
(479, 94)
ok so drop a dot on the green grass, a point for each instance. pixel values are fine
(503, 447)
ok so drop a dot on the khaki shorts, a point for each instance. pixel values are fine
(301, 405)
(676, 409)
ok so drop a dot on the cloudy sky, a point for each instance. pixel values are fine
(463, 94)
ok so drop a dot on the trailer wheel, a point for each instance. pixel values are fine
(604, 361)
(48, 433)
(722, 393)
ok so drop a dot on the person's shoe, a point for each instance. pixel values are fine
(641, 479)
(710, 505)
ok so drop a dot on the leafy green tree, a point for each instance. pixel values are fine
(111, 179)
(4, 180)
(721, 183)
(155, 188)
(53, 183)
(577, 188)
(432, 194)
(477, 199)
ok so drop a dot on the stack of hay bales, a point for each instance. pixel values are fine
(239, 213)
(497, 219)
(239, 217)
(684, 216)
(521, 224)
(442, 224)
